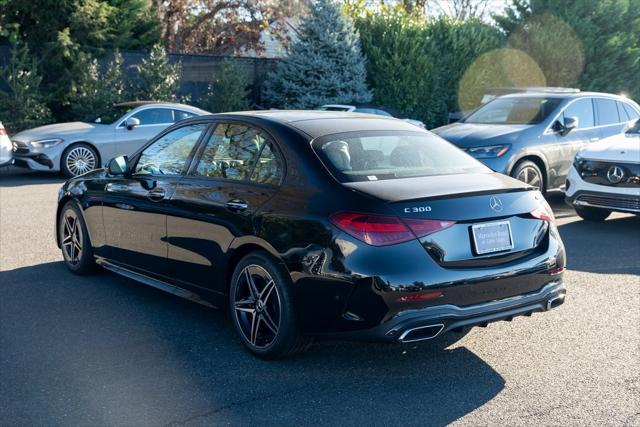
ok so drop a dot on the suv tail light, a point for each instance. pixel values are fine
(379, 230)
(544, 212)
(3, 131)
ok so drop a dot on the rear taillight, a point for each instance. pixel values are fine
(379, 230)
(3, 132)
(543, 212)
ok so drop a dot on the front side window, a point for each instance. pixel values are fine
(169, 154)
(515, 111)
(241, 153)
(583, 110)
(607, 111)
(154, 116)
(373, 156)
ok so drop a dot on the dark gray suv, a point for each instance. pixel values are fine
(535, 136)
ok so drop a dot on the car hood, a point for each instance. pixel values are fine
(618, 148)
(58, 130)
(415, 188)
(466, 135)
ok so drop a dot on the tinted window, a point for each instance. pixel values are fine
(169, 154)
(631, 112)
(269, 167)
(583, 110)
(514, 110)
(154, 116)
(371, 156)
(231, 152)
(181, 115)
(607, 111)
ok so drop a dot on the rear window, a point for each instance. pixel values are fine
(373, 156)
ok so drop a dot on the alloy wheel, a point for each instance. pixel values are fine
(80, 160)
(72, 237)
(530, 176)
(257, 306)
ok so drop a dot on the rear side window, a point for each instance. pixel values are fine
(373, 156)
(154, 116)
(241, 153)
(631, 112)
(607, 111)
(583, 110)
(181, 115)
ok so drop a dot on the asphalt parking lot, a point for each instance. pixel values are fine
(104, 350)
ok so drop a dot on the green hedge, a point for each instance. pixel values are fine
(415, 65)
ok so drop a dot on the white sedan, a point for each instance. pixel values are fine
(6, 151)
(605, 177)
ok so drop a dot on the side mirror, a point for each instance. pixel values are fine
(131, 122)
(570, 123)
(118, 166)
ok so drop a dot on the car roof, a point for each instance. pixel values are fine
(316, 123)
(563, 95)
(136, 104)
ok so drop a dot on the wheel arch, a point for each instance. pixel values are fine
(240, 247)
(539, 161)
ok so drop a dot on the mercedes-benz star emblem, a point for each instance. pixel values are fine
(495, 204)
(615, 174)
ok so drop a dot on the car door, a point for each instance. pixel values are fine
(153, 120)
(565, 146)
(236, 171)
(135, 206)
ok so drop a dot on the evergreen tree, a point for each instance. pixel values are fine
(159, 78)
(228, 91)
(22, 106)
(325, 65)
(592, 44)
(97, 91)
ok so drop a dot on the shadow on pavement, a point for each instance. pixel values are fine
(105, 350)
(612, 246)
(11, 176)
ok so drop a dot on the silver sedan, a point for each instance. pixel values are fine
(78, 147)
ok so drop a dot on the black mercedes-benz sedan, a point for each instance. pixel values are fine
(310, 223)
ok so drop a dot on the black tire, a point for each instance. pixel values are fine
(78, 159)
(529, 173)
(592, 214)
(76, 248)
(255, 304)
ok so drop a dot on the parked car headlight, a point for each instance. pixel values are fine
(489, 151)
(46, 143)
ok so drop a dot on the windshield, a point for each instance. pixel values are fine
(111, 115)
(515, 111)
(373, 156)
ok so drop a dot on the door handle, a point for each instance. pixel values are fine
(157, 194)
(237, 205)
(594, 139)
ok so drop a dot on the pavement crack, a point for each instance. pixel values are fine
(206, 414)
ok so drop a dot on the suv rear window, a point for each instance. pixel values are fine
(380, 155)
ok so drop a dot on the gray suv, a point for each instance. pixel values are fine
(535, 136)
(78, 147)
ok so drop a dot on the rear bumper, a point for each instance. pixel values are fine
(427, 323)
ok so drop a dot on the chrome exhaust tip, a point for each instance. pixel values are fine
(555, 302)
(421, 333)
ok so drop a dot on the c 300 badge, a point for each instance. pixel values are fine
(417, 209)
